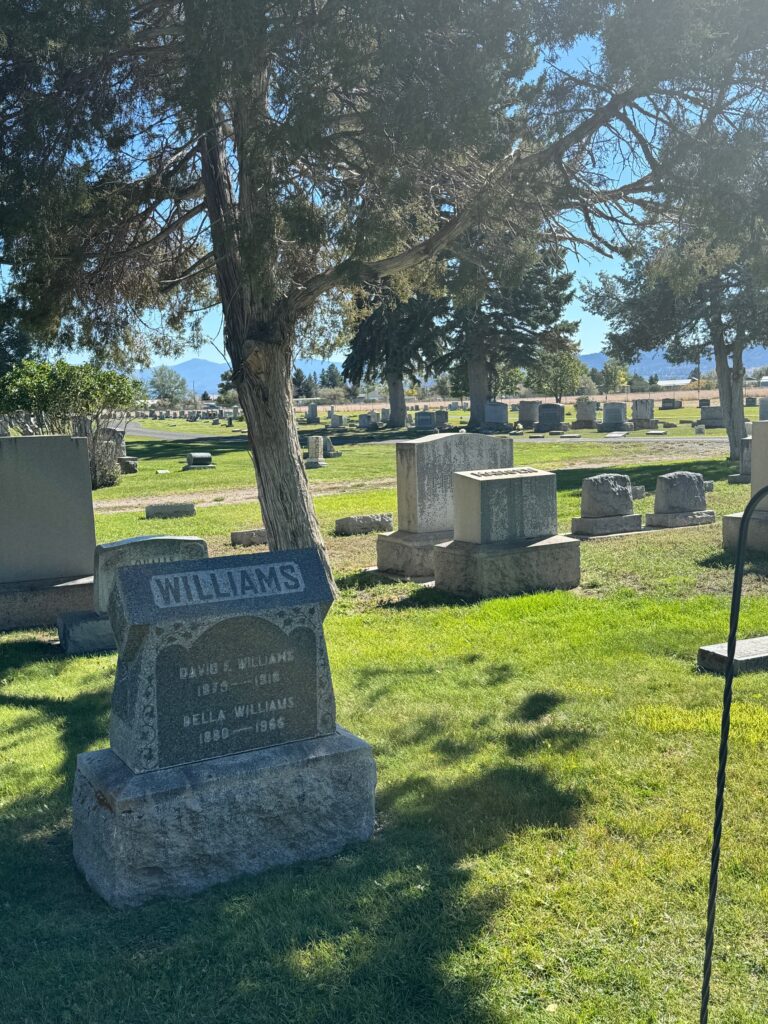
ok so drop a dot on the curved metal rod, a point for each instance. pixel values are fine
(725, 728)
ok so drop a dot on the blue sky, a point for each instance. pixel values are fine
(591, 331)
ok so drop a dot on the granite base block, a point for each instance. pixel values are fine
(667, 520)
(615, 425)
(409, 554)
(85, 633)
(600, 526)
(178, 831)
(502, 570)
(739, 478)
(757, 536)
(751, 656)
(41, 602)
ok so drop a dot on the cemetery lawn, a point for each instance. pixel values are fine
(546, 781)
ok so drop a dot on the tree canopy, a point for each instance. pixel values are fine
(160, 158)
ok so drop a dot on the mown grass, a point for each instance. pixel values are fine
(362, 461)
(546, 776)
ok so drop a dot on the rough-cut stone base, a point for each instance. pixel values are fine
(41, 602)
(739, 478)
(665, 520)
(600, 526)
(751, 656)
(177, 831)
(499, 570)
(614, 425)
(584, 424)
(409, 554)
(757, 537)
(85, 633)
(314, 463)
(645, 424)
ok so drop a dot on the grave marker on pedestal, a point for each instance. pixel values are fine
(425, 469)
(225, 758)
(505, 539)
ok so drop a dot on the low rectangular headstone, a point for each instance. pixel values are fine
(199, 460)
(248, 538)
(751, 656)
(494, 506)
(171, 510)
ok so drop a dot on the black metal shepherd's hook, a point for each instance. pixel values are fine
(725, 728)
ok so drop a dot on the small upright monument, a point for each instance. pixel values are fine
(505, 536)
(225, 757)
(607, 506)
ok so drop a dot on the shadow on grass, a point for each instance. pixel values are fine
(19, 653)
(646, 475)
(370, 935)
(727, 560)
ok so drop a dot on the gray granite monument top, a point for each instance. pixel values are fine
(219, 656)
(219, 587)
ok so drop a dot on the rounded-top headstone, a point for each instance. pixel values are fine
(680, 492)
(607, 494)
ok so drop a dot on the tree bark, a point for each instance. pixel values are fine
(477, 373)
(264, 390)
(730, 385)
(396, 392)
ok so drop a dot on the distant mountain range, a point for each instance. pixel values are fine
(653, 362)
(204, 375)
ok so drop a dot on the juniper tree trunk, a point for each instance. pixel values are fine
(396, 399)
(477, 374)
(730, 385)
(264, 389)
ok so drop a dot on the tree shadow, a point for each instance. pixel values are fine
(16, 654)
(646, 475)
(753, 563)
(537, 705)
(368, 935)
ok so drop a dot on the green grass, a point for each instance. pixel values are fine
(362, 461)
(546, 778)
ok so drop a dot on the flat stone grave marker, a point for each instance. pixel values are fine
(171, 510)
(248, 538)
(751, 656)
